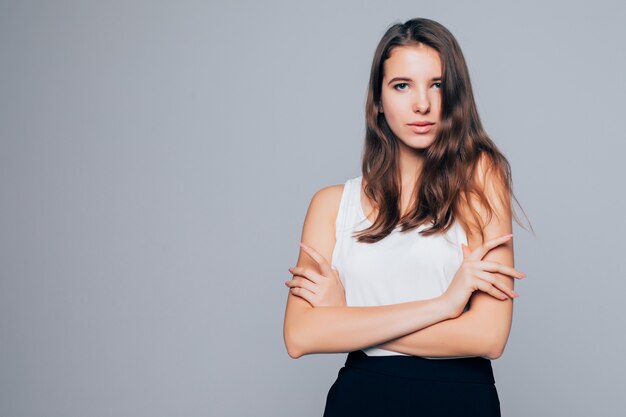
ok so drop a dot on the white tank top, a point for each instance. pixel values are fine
(404, 266)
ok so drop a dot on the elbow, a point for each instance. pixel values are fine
(293, 351)
(493, 354)
(496, 349)
(291, 343)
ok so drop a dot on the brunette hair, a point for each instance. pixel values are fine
(448, 175)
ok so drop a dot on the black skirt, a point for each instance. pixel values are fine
(397, 386)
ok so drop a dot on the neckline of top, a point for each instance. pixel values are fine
(359, 185)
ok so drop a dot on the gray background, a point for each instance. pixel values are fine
(157, 160)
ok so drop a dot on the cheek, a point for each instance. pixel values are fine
(437, 104)
(390, 117)
(393, 111)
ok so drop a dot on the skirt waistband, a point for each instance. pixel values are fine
(472, 369)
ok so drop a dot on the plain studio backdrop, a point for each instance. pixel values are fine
(157, 160)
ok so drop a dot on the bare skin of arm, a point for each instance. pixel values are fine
(309, 330)
(484, 329)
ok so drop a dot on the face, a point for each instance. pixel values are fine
(411, 94)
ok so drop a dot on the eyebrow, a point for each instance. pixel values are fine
(408, 79)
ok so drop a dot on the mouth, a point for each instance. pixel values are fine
(423, 123)
(421, 127)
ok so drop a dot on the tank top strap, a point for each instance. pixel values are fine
(357, 216)
(348, 216)
(351, 212)
(345, 210)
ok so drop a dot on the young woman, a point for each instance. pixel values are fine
(409, 267)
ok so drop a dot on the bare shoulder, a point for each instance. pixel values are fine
(319, 224)
(494, 220)
(327, 200)
(318, 230)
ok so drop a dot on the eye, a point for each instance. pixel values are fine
(401, 89)
(438, 85)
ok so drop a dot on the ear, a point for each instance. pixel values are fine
(380, 108)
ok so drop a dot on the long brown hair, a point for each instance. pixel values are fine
(447, 176)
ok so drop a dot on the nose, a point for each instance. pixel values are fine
(421, 104)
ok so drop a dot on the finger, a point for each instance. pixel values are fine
(466, 251)
(493, 280)
(482, 250)
(487, 288)
(306, 272)
(321, 261)
(496, 282)
(503, 269)
(299, 282)
(303, 293)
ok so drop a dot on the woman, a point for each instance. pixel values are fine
(409, 267)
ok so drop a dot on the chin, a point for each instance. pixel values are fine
(418, 144)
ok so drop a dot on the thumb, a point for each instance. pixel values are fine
(466, 250)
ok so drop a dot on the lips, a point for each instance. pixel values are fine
(421, 129)
(421, 123)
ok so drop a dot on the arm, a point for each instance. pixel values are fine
(474, 333)
(484, 329)
(342, 329)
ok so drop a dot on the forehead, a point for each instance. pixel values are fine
(413, 61)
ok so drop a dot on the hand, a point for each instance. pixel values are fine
(323, 289)
(472, 275)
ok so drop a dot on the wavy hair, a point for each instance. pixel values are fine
(448, 173)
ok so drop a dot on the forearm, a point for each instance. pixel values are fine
(461, 336)
(345, 329)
